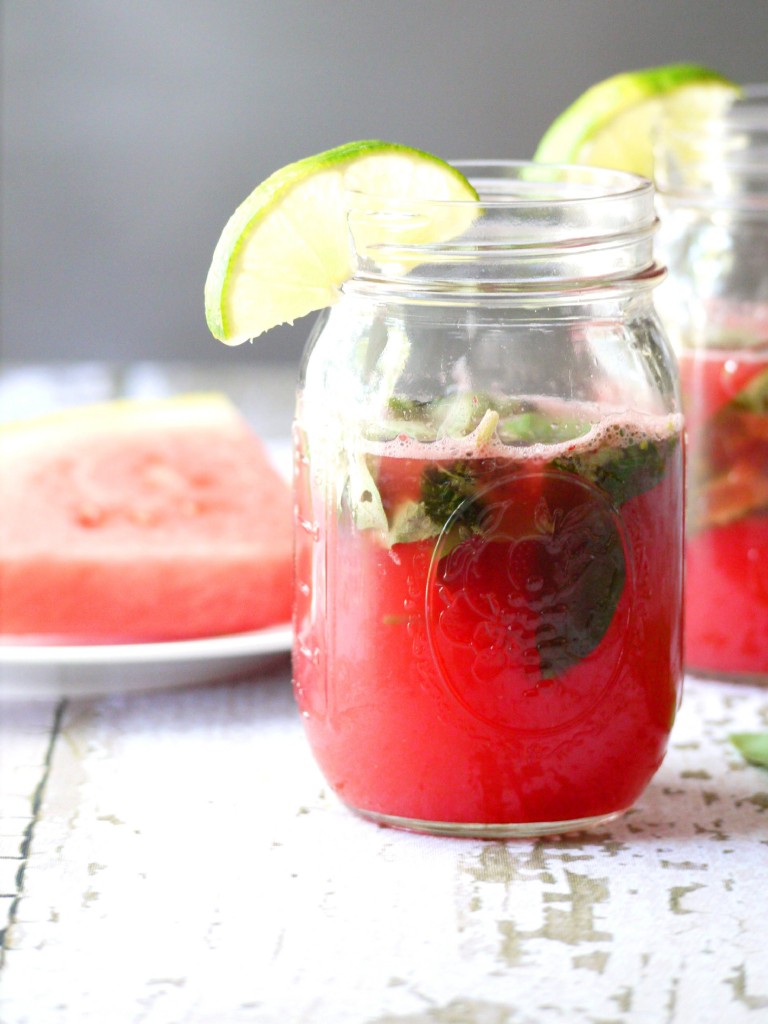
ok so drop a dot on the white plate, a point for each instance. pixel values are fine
(46, 672)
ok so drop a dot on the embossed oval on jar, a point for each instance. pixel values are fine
(528, 613)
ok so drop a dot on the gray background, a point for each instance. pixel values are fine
(130, 131)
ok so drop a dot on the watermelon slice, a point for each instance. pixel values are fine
(140, 521)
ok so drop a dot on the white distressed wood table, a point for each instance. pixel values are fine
(175, 856)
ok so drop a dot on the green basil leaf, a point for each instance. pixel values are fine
(622, 472)
(534, 427)
(753, 746)
(444, 492)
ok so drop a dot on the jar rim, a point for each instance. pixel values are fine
(528, 183)
(750, 107)
(717, 159)
(746, 109)
(534, 226)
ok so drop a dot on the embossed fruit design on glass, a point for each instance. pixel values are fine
(489, 517)
(713, 175)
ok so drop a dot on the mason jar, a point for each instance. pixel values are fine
(713, 180)
(488, 473)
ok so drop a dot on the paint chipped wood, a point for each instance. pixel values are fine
(185, 861)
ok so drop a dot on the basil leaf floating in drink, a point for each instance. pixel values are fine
(575, 575)
(445, 490)
(622, 472)
(566, 568)
(550, 557)
(535, 427)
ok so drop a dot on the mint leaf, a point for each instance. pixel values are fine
(550, 557)
(580, 573)
(622, 472)
(753, 746)
(408, 408)
(534, 427)
(558, 550)
(410, 523)
(444, 492)
(361, 495)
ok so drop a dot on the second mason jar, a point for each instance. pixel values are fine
(713, 179)
(489, 516)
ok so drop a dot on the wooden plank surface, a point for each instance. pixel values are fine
(187, 863)
(26, 734)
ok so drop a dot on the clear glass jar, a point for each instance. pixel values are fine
(713, 201)
(488, 466)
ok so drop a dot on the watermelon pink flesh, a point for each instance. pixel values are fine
(141, 521)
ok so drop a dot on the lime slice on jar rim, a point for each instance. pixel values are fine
(285, 251)
(612, 123)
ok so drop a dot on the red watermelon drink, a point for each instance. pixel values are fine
(489, 520)
(711, 171)
(487, 630)
(726, 399)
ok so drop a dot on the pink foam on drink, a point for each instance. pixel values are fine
(614, 429)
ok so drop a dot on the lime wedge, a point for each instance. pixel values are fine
(285, 251)
(612, 123)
